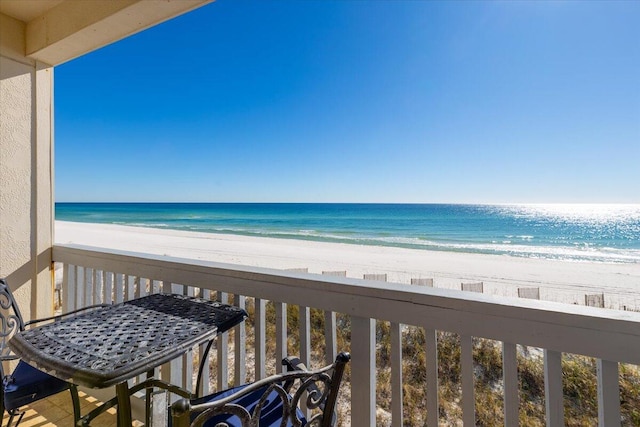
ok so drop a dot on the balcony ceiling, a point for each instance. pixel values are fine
(27, 10)
(56, 31)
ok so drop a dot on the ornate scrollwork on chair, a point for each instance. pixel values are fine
(269, 402)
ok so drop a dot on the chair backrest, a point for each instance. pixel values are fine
(321, 387)
(10, 319)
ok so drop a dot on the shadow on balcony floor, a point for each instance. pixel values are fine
(56, 411)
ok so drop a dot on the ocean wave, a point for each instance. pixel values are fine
(600, 233)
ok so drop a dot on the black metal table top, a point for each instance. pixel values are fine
(114, 343)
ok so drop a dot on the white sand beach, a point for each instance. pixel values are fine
(561, 281)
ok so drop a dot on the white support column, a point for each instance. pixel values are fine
(363, 372)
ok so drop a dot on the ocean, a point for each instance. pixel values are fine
(596, 233)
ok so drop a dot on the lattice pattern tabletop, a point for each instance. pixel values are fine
(112, 344)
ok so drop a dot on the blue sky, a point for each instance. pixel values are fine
(359, 101)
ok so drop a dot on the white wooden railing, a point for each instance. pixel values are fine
(93, 275)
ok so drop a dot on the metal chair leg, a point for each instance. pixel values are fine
(75, 400)
(12, 415)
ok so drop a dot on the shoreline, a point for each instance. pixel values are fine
(561, 281)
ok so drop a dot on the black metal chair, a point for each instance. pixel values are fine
(272, 401)
(26, 384)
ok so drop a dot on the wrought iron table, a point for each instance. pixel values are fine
(115, 343)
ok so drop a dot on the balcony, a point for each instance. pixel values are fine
(331, 313)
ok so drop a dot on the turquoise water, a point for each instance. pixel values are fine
(600, 233)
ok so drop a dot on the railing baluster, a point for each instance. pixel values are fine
(170, 371)
(119, 293)
(304, 319)
(363, 372)
(68, 287)
(260, 338)
(108, 288)
(608, 393)
(431, 355)
(396, 375)
(205, 385)
(510, 380)
(240, 344)
(466, 367)
(97, 287)
(222, 346)
(141, 288)
(88, 287)
(187, 359)
(281, 335)
(131, 287)
(80, 287)
(553, 388)
(330, 339)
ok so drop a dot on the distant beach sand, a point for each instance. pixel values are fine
(560, 281)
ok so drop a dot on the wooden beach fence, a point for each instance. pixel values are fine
(594, 300)
(422, 282)
(472, 286)
(375, 276)
(529, 293)
(340, 273)
(298, 270)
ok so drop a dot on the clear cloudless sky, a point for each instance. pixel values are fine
(359, 101)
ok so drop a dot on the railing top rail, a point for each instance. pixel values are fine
(607, 334)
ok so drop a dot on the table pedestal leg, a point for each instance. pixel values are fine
(124, 405)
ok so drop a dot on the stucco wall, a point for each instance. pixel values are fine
(26, 194)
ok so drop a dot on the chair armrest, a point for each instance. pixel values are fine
(62, 316)
(292, 364)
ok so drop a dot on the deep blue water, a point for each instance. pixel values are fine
(602, 233)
